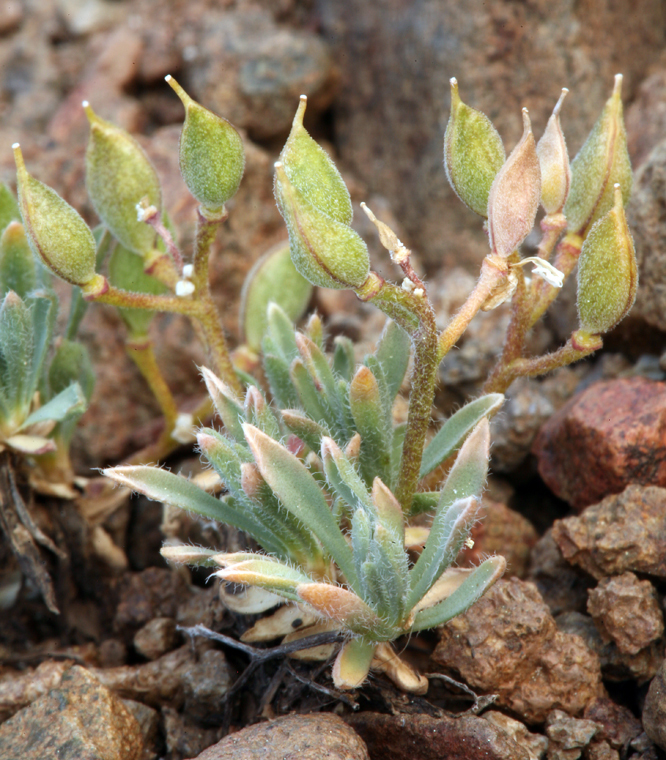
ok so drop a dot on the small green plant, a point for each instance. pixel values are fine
(312, 462)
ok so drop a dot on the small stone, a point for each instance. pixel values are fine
(508, 644)
(627, 611)
(306, 737)
(654, 711)
(206, 683)
(155, 592)
(623, 532)
(619, 726)
(184, 737)
(600, 751)
(149, 725)
(535, 744)
(606, 437)
(569, 733)
(421, 737)
(18, 690)
(645, 747)
(79, 719)
(157, 637)
(112, 653)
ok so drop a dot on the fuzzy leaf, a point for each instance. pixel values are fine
(226, 404)
(66, 403)
(455, 430)
(352, 664)
(393, 355)
(18, 269)
(270, 575)
(368, 411)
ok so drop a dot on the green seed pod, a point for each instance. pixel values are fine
(607, 272)
(126, 272)
(55, 231)
(316, 207)
(514, 196)
(118, 176)
(272, 279)
(602, 162)
(473, 153)
(17, 264)
(326, 252)
(212, 159)
(554, 162)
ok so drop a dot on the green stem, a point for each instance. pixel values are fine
(207, 227)
(140, 350)
(566, 258)
(415, 314)
(493, 271)
(569, 353)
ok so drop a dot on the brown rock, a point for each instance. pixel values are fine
(626, 611)
(18, 690)
(306, 737)
(396, 59)
(152, 593)
(623, 532)
(610, 435)
(535, 744)
(645, 118)
(420, 737)
(206, 683)
(157, 637)
(81, 719)
(600, 751)
(568, 736)
(149, 725)
(654, 710)
(508, 644)
(185, 737)
(619, 727)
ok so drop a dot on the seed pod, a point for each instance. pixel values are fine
(119, 175)
(554, 162)
(326, 252)
(55, 231)
(607, 272)
(212, 159)
(514, 195)
(473, 153)
(316, 207)
(601, 162)
(273, 278)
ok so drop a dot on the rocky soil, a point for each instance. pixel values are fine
(564, 657)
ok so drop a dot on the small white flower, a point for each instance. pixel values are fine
(188, 271)
(184, 288)
(545, 270)
(183, 430)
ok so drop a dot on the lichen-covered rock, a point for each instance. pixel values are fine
(623, 532)
(421, 737)
(568, 736)
(79, 719)
(610, 435)
(562, 587)
(626, 611)
(508, 644)
(307, 737)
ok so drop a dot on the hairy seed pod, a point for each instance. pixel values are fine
(554, 162)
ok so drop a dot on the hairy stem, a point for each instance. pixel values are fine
(140, 350)
(206, 231)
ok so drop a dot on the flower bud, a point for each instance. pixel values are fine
(55, 231)
(212, 159)
(119, 175)
(272, 279)
(326, 252)
(607, 272)
(514, 196)
(126, 272)
(316, 207)
(601, 162)
(473, 153)
(554, 162)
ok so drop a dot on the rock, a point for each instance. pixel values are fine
(535, 744)
(568, 736)
(155, 592)
(601, 751)
(619, 727)
(649, 230)
(306, 737)
(157, 637)
(608, 436)
(79, 719)
(615, 665)
(252, 71)
(206, 683)
(504, 531)
(626, 611)
(184, 737)
(18, 690)
(396, 60)
(149, 725)
(508, 644)
(112, 653)
(562, 587)
(646, 749)
(645, 118)
(654, 710)
(622, 532)
(421, 737)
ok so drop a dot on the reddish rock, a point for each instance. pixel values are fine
(654, 711)
(508, 644)
(306, 737)
(421, 737)
(610, 435)
(619, 727)
(623, 532)
(627, 612)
